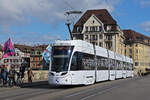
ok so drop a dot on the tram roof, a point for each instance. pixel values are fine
(70, 43)
(88, 48)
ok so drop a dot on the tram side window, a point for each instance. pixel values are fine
(82, 61)
(121, 65)
(102, 63)
(74, 62)
(112, 64)
(88, 62)
(128, 66)
(124, 66)
(131, 66)
(117, 65)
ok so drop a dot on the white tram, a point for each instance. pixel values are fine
(76, 62)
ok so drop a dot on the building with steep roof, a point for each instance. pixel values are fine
(138, 48)
(98, 27)
(32, 55)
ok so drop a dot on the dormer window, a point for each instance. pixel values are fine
(109, 28)
(86, 29)
(100, 28)
(79, 29)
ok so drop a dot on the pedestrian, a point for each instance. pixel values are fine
(4, 75)
(0, 74)
(22, 71)
(11, 76)
(30, 75)
(139, 73)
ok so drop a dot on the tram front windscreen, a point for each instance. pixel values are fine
(60, 58)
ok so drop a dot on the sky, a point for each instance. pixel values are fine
(32, 22)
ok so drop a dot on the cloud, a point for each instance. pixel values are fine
(40, 39)
(145, 3)
(18, 12)
(14, 13)
(146, 26)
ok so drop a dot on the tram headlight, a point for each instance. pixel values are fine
(66, 80)
(51, 74)
(64, 73)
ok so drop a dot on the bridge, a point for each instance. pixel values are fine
(136, 88)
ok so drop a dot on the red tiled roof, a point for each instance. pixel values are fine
(30, 48)
(134, 36)
(101, 14)
(22, 47)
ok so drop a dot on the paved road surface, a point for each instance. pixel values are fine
(123, 89)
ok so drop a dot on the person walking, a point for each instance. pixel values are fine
(4, 75)
(0, 74)
(11, 76)
(139, 73)
(30, 75)
(22, 71)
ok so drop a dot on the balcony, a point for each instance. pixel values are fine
(108, 40)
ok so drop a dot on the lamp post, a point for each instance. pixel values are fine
(70, 20)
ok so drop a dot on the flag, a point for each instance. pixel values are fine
(8, 49)
(47, 54)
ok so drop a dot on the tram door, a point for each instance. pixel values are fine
(111, 69)
(112, 74)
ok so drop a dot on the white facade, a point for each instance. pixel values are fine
(14, 61)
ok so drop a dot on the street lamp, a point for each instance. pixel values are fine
(70, 20)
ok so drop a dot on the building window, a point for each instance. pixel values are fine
(79, 29)
(86, 37)
(136, 51)
(94, 37)
(86, 29)
(136, 57)
(109, 37)
(130, 56)
(130, 45)
(38, 52)
(136, 44)
(109, 45)
(108, 28)
(96, 28)
(130, 50)
(100, 36)
(39, 58)
(100, 44)
(136, 63)
(93, 28)
(33, 58)
(100, 28)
